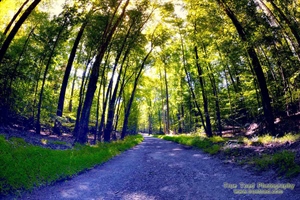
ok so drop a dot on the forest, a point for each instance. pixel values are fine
(111, 68)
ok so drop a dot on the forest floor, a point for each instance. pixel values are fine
(159, 169)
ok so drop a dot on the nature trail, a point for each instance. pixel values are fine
(159, 169)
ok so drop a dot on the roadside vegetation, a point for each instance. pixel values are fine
(260, 152)
(25, 166)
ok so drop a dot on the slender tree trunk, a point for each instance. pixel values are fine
(16, 28)
(167, 101)
(194, 98)
(97, 112)
(70, 108)
(81, 92)
(264, 92)
(118, 113)
(14, 71)
(14, 17)
(85, 114)
(291, 24)
(215, 92)
(127, 111)
(63, 89)
(205, 102)
(190, 85)
(111, 106)
(38, 125)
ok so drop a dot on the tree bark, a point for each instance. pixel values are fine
(85, 114)
(264, 92)
(111, 105)
(14, 17)
(15, 29)
(205, 102)
(190, 86)
(167, 101)
(63, 89)
(127, 111)
(70, 108)
(38, 125)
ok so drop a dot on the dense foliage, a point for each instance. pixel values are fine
(160, 66)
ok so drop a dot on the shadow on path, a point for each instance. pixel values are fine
(158, 169)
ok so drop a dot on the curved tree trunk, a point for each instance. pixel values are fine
(81, 134)
(291, 24)
(15, 29)
(264, 92)
(14, 17)
(112, 102)
(38, 125)
(127, 110)
(63, 89)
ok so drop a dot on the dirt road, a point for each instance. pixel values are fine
(158, 169)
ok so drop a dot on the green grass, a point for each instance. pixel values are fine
(268, 139)
(58, 142)
(24, 166)
(283, 162)
(209, 145)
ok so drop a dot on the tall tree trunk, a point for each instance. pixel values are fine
(205, 102)
(264, 92)
(190, 85)
(194, 98)
(215, 92)
(38, 125)
(81, 92)
(119, 103)
(112, 102)
(167, 101)
(97, 112)
(291, 24)
(85, 114)
(14, 71)
(15, 29)
(128, 107)
(14, 17)
(70, 108)
(63, 89)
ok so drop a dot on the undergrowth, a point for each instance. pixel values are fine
(209, 145)
(25, 166)
(283, 162)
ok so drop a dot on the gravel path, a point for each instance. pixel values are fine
(158, 169)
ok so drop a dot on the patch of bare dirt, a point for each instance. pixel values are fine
(46, 139)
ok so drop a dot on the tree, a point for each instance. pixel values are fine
(14, 17)
(15, 29)
(81, 134)
(264, 92)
